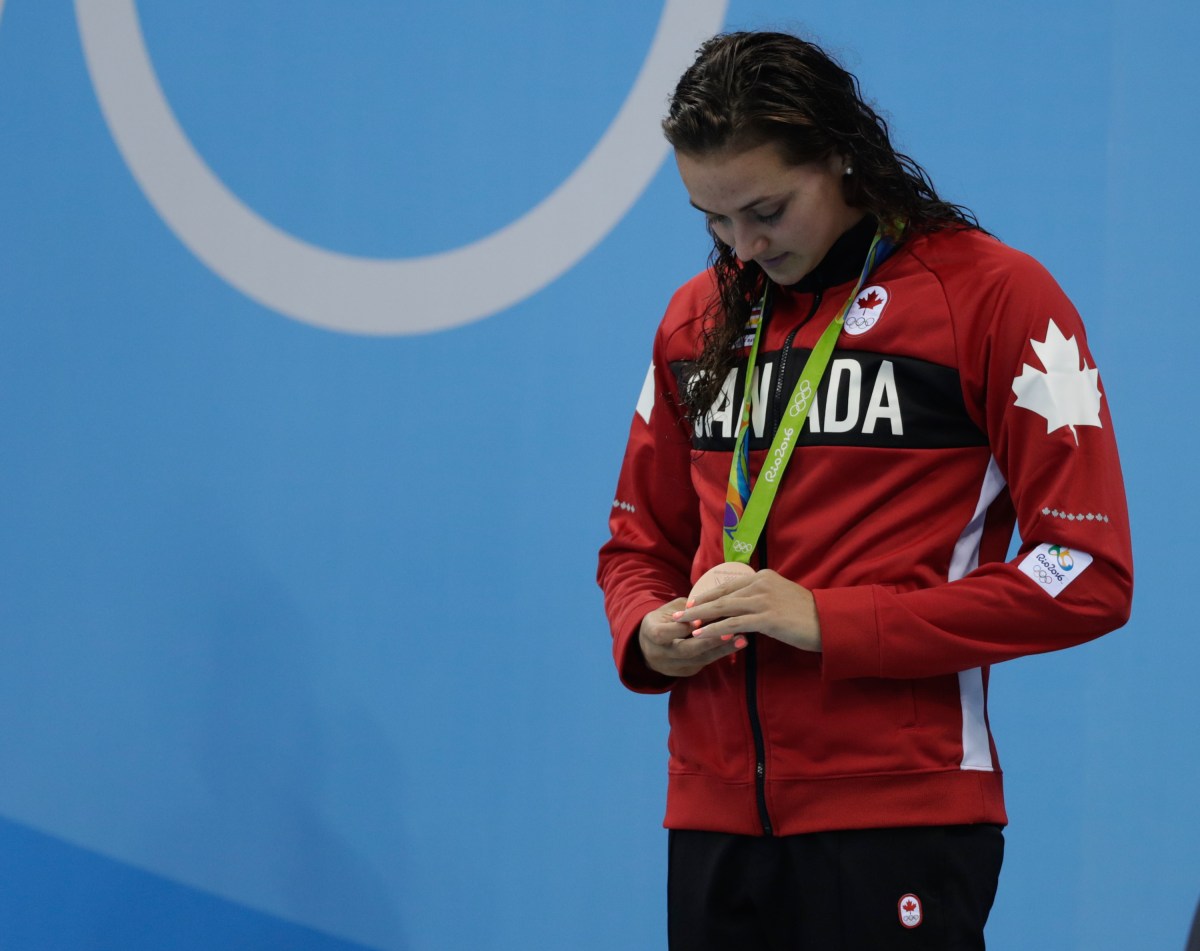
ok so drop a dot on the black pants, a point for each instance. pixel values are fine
(859, 890)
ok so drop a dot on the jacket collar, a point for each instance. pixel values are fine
(844, 260)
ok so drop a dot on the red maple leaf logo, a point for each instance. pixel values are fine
(870, 302)
(910, 905)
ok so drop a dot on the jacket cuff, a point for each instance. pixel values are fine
(849, 632)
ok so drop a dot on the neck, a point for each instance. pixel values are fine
(844, 260)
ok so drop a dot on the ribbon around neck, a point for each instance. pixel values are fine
(746, 509)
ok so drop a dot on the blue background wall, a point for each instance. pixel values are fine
(300, 643)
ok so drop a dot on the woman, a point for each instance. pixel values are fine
(914, 389)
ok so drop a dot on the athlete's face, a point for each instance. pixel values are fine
(785, 217)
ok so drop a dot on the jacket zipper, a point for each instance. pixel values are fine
(777, 405)
(760, 749)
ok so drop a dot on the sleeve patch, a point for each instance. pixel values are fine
(1054, 567)
(645, 403)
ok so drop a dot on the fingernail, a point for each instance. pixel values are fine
(690, 603)
(727, 637)
(676, 616)
(697, 623)
(740, 642)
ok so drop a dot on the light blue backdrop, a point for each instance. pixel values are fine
(300, 643)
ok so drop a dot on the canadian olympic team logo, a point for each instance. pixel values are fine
(910, 910)
(371, 295)
(866, 310)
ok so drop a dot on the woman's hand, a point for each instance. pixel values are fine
(765, 602)
(669, 647)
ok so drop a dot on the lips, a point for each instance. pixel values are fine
(772, 262)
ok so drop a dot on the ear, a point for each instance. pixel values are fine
(840, 165)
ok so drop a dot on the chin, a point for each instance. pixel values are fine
(786, 273)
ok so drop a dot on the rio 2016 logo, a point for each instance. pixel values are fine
(1062, 555)
(373, 295)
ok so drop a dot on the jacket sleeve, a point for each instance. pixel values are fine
(1030, 380)
(654, 522)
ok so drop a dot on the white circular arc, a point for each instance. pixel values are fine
(375, 295)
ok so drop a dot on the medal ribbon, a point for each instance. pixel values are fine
(745, 509)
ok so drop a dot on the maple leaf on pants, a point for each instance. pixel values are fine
(1068, 392)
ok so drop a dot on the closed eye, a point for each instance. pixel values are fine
(770, 218)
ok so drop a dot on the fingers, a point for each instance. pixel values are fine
(724, 629)
(721, 602)
(684, 636)
(766, 603)
(661, 627)
(703, 618)
(688, 656)
(669, 647)
(734, 584)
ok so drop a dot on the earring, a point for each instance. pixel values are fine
(849, 170)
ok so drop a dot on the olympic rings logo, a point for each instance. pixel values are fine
(370, 295)
(803, 395)
(743, 547)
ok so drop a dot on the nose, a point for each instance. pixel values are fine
(748, 242)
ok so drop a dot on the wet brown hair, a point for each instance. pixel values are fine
(745, 90)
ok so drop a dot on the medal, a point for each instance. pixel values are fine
(717, 576)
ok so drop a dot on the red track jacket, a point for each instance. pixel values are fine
(961, 397)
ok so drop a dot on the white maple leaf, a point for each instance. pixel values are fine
(1068, 392)
(645, 403)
